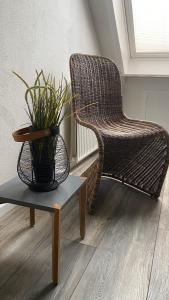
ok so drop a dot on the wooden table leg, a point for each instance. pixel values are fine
(32, 217)
(82, 207)
(56, 244)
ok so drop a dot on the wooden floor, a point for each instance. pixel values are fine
(125, 255)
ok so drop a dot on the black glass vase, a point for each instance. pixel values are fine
(43, 163)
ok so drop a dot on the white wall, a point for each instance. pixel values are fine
(147, 99)
(35, 35)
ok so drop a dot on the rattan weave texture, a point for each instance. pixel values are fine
(133, 151)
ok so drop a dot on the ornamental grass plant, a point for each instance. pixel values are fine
(46, 102)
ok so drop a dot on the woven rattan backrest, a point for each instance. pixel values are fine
(95, 80)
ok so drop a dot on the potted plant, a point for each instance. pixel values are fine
(43, 160)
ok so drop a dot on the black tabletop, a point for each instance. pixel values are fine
(16, 192)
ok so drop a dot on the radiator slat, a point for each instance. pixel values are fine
(86, 142)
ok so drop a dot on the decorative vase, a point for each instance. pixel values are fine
(43, 162)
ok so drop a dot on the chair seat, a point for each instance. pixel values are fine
(131, 150)
(126, 129)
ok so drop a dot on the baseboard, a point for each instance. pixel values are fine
(4, 208)
(84, 164)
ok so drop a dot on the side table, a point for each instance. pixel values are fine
(16, 192)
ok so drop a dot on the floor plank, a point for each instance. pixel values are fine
(8, 218)
(34, 278)
(21, 243)
(135, 218)
(120, 268)
(122, 277)
(164, 218)
(159, 283)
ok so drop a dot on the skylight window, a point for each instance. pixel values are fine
(148, 26)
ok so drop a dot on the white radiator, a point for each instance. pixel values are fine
(86, 142)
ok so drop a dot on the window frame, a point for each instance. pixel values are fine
(131, 36)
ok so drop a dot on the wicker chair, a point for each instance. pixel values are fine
(132, 151)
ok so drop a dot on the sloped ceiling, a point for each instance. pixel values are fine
(105, 26)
